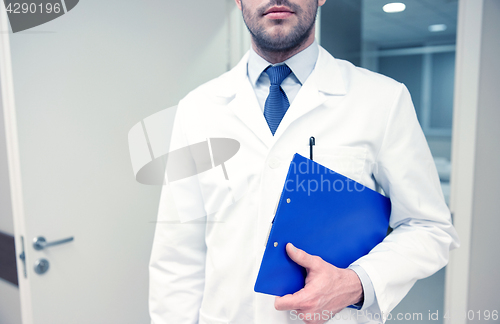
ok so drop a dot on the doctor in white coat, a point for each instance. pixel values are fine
(203, 268)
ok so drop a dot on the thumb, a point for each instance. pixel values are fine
(299, 256)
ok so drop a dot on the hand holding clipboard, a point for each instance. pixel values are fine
(340, 226)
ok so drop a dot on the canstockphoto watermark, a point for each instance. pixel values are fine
(185, 169)
(326, 315)
(356, 315)
(322, 184)
(431, 315)
(31, 13)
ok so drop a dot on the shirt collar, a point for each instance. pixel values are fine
(301, 64)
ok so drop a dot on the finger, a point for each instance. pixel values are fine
(290, 301)
(300, 256)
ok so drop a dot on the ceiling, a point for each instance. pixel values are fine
(410, 27)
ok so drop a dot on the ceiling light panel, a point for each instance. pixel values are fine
(437, 28)
(394, 7)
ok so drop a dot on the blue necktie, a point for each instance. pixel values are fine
(276, 102)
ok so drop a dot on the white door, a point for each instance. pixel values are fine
(75, 86)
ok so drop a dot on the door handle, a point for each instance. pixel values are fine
(40, 243)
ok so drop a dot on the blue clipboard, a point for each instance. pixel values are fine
(340, 224)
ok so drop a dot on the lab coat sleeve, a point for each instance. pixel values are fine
(423, 233)
(177, 264)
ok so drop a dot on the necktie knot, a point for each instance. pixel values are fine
(278, 73)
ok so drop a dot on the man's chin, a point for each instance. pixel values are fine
(282, 42)
(279, 35)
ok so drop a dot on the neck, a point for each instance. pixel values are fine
(274, 57)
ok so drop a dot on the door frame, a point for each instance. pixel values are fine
(470, 40)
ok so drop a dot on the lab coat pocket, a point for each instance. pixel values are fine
(346, 160)
(221, 188)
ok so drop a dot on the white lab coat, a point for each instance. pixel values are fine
(365, 128)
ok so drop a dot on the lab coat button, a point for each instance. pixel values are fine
(274, 163)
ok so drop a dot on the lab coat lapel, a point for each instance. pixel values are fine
(240, 95)
(325, 82)
(246, 107)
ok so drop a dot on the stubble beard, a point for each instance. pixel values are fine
(281, 42)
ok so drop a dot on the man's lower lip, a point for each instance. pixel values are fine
(279, 15)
